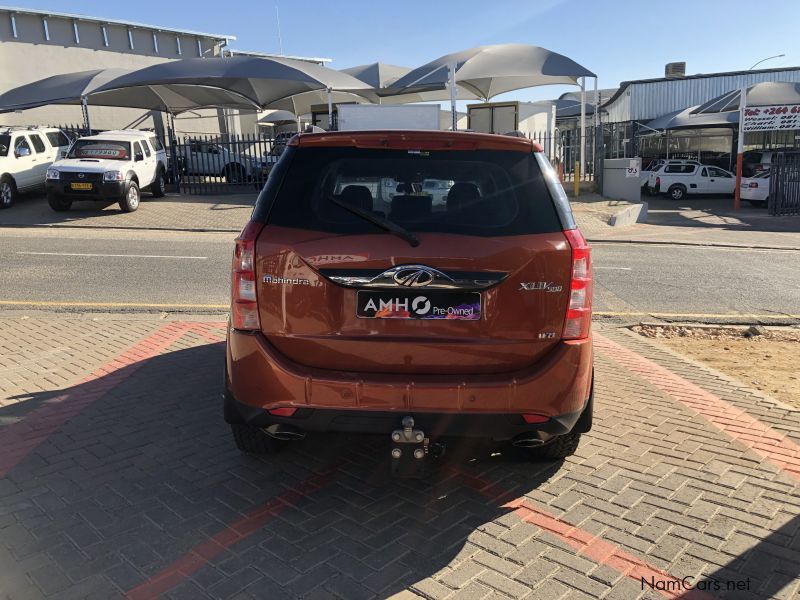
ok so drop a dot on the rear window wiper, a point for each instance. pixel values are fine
(381, 222)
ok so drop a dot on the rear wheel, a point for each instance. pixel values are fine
(8, 192)
(677, 192)
(159, 187)
(130, 202)
(252, 440)
(561, 447)
(58, 203)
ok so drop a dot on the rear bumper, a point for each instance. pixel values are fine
(486, 405)
(105, 190)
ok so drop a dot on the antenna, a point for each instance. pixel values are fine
(278, 19)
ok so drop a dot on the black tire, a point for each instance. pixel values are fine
(561, 447)
(130, 201)
(8, 191)
(159, 187)
(252, 440)
(758, 203)
(59, 204)
(234, 174)
(677, 192)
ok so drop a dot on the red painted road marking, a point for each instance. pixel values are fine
(200, 555)
(19, 439)
(585, 544)
(760, 438)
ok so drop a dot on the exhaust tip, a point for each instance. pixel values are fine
(284, 432)
(527, 440)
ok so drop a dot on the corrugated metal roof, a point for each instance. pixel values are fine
(651, 98)
(76, 17)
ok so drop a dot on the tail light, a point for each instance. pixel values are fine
(244, 305)
(658, 181)
(753, 184)
(579, 309)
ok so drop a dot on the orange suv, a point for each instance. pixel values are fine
(361, 303)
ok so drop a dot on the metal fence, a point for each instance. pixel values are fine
(564, 151)
(222, 164)
(784, 184)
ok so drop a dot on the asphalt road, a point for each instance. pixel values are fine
(79, 268)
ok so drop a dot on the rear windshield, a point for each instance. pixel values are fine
(110, 150)
(679, 169)
(485, 193)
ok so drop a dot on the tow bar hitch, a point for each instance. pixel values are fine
(410, 449)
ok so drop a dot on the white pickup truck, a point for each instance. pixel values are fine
(678, 180)
(111, 166)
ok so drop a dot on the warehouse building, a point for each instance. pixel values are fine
(626, 113)
(35, 44)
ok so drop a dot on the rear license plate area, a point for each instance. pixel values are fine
(397, 304)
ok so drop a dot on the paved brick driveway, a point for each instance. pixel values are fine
(118, 478)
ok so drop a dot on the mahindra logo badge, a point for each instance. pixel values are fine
(81, 175)
(414, 276)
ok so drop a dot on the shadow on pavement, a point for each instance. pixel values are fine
(149, 471)
(715, 213)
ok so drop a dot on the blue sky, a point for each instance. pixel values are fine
(615, 39)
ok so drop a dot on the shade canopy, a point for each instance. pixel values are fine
(760, 94)
(377, 75)
(70, 88)
(277, 116)
(487, 71)
(687, 119)
(381, 75)
(300, 104)
(262, 81)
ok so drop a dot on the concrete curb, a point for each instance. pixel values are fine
(636, 213)
(697, 244)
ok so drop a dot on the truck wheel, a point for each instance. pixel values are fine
(561, 447)
(677, 192)
(252, 440)
(130, 202)
(57, 203)
(234, 174)
(159, 187)
(758, 203)
(8, 192)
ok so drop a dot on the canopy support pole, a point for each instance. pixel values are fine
(330, 111)
(85, 111)
(583, 125)
(597, 165)
(737, 194)
(453, 94)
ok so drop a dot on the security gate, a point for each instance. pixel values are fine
(784, 184)
(222, 164)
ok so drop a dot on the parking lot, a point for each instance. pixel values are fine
(120, 479)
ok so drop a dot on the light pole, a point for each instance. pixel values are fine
(765, 60)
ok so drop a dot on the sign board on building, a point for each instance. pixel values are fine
(632, 169)
(770, 118)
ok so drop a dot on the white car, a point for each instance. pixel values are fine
(111, 166)
(756, 189)
(656, 164)
(215, 160)
(25, 155)
(679, 180)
